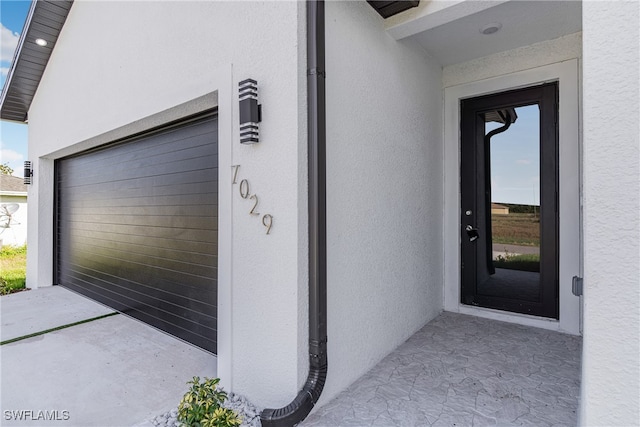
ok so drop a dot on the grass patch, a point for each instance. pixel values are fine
(516, 229)
(525, 262)
(13, 269)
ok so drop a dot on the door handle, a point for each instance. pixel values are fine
(472, 233)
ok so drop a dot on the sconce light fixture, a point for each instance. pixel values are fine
(250, 112)
(28, 172)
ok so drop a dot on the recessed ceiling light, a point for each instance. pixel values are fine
(491, 28)
(41, 42)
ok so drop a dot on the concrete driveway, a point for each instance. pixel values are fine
(110, 370)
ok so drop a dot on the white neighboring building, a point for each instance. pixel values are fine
(131, 73)
(13, 211)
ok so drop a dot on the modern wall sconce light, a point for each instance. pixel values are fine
(250, 112)
(28, 172)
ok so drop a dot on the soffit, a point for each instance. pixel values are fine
(450, 31)
(44, 21)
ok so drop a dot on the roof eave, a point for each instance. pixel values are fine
(20, 86)
(12, 68)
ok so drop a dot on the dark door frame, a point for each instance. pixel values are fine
(471, 175)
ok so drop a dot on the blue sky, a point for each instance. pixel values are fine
(13, 137)
(515, 160)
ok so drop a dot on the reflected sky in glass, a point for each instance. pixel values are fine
(515, 159)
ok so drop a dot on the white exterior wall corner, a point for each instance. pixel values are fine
(117, 63)
(611, 346)
(384, 191)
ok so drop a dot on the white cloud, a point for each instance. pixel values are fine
(14, 159)
(9, 41)
(523, 162)
(9, 155)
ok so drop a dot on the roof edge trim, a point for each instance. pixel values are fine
(25, 90)
(16, 54)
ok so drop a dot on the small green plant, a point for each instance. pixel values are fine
(201, 406)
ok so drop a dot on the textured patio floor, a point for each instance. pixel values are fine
(466, 371)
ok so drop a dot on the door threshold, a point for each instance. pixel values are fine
(517, 318)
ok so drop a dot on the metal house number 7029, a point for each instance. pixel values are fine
(245, 193)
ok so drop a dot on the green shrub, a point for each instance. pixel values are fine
(201, 406)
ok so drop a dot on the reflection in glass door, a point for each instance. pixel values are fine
(514, 171)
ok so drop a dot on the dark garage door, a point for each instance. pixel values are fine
(137, 228)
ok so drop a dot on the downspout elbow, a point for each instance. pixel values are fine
(303, 403)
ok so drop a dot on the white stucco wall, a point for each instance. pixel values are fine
(16, 232)
(611, 346)
(512, 61)
(384, 191)
(119, 62)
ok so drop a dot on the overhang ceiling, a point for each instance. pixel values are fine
(452, 34)
(44, 21)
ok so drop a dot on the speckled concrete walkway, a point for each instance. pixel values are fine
(466, 371)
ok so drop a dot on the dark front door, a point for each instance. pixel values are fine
(137, 228)
(509, 201)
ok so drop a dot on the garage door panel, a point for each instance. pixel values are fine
(137, 228)
(162, 155)
(163, 221)
(137, 279)
(163, 254)
(188, 307)
(167, 233)
(144, 188)
(92, 189)
(123, 199)
(181, 210)
(185, 246)
(194, 333)
(162, 143)
(183, 317)
(156, 164)
(168, 142)
(158, 173)
(132, 261)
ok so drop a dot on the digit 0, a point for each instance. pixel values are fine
(244, 188)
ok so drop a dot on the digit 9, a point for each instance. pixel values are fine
(267, 221)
